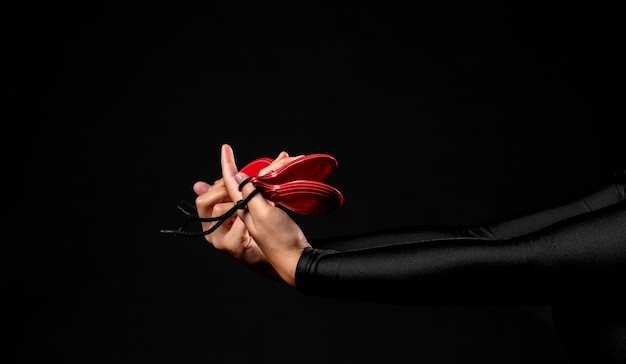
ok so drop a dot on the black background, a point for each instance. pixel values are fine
(441, 113)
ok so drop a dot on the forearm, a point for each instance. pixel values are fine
(581, 257)
(607, 194)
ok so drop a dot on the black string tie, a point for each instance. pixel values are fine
(191, 212)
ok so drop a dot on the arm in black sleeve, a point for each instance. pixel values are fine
(606, 194)
(581, 256)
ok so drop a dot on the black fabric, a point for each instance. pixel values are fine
(567, 251)
(571, 256)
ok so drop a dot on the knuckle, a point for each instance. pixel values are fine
(220, 209)
(202, 201)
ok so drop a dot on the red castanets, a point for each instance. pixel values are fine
(298, 185)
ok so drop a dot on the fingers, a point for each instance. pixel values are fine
(282, 159)
(232, 178)
(281, 155)
(231, 236)
(214, 202)
(229, 170)
(229, 167)
(201, 187)
(213, 195)
(225, 237)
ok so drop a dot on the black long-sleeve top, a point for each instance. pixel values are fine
(571, 256)
(574, 250)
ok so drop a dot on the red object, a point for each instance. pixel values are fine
(298, 185)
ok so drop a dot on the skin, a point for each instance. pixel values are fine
(262, 237)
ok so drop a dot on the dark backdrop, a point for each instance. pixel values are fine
(442, 113)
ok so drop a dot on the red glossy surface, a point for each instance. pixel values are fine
(298, 185)
(253, 168)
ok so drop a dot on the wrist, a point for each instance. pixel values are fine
(286, 265)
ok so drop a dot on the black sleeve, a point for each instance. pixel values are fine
(603, 195)
(575, 250)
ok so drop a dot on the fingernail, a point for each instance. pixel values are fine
(239, 177)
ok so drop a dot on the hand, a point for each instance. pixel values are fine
(274, 232)
(232, 236)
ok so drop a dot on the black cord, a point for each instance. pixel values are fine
(193, 217)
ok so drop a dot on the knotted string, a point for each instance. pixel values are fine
(190, 210)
